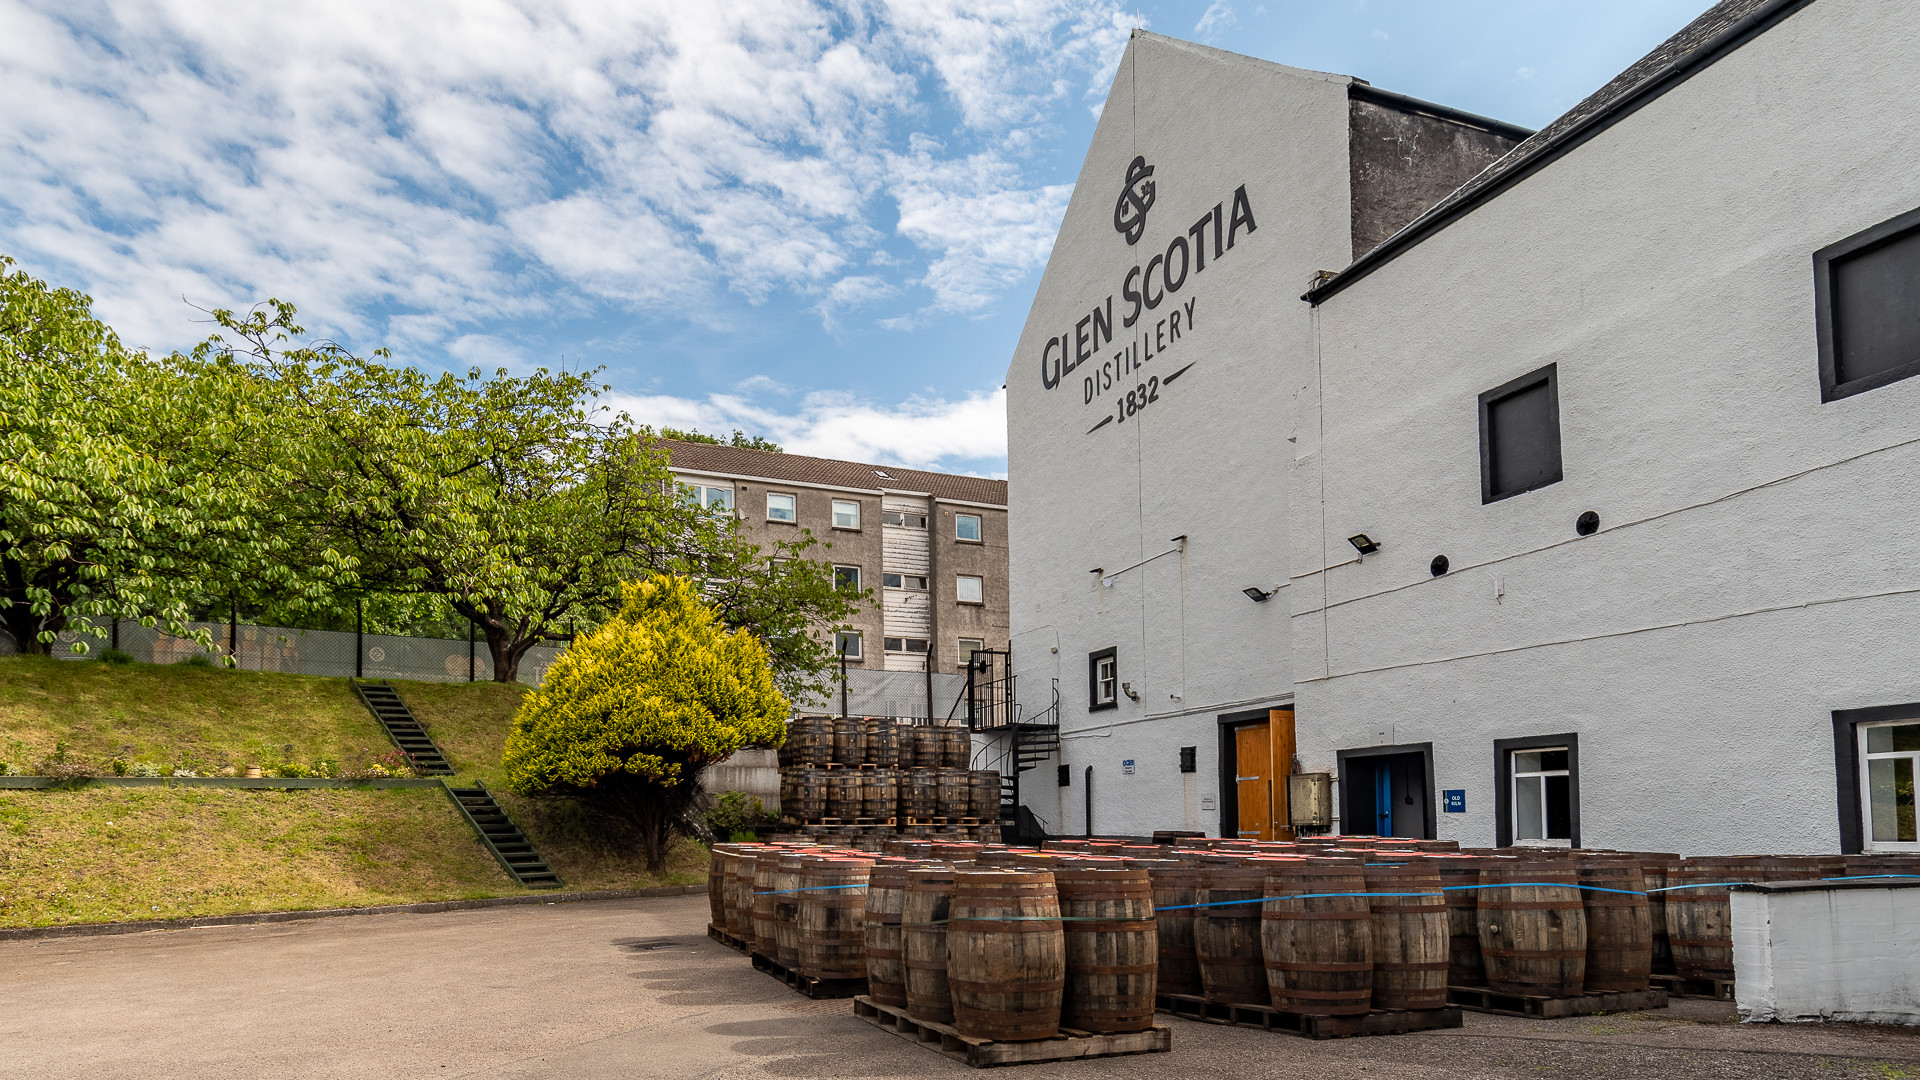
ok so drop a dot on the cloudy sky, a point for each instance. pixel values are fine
(821, 222)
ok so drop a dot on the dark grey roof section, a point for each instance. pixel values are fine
(1366, 91)
(1723, 28)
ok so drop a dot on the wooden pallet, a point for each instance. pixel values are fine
(727, 939)
(1481, 999)
(1681, 986)
(982, 1053)
(811, 985)
(928, 821)
(1377, 1022)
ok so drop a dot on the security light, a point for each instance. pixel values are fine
(1363, 544)
(1587, 523)
(1258, 595)
(1440, 565)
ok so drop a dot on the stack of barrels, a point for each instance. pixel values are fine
(880, 777)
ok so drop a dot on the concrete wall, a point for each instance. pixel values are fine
(1754, 570)
(1205, 459)
(1836, 953)
(1402, 161)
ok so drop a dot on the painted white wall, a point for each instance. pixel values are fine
(1850, 954)
(1207, 460)
(1759, 552)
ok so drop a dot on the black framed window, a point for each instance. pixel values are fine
(1537, 791)
(1103, 680)
(1520, 435)
(1876, 756)
(1866, 299)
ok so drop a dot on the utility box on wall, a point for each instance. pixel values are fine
(1310, 800)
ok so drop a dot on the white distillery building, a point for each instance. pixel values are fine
(1572, 503)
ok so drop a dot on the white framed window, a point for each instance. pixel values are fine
(846, 514)
(1103, 680)
(966, 527)
(900, 519)
(782, 507)
(969, 589)
(1889, 758)
(847, 643)
(709, 497)
(916, 582)
(906, 645)
(969, 646)
(1542, 797)
(846, 577)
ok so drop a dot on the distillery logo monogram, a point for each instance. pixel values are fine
(1136, 198)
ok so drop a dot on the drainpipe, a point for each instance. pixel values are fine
(1089, 790)
(359, 635)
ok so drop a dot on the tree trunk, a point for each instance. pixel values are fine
(21, 622)
(656, 811)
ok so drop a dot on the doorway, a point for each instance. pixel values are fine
(1256, 754)
(1387, 791)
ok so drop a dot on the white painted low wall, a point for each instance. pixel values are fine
(756, 772)
(1827, 951)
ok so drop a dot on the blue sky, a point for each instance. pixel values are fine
(818, 222)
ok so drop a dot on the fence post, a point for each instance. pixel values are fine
(843, 681)
(359, 634)
(469, 650)
(233, 631)
(929, 667)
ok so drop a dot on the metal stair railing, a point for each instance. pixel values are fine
(500, 836)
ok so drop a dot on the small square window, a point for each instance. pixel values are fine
(916, 582)
(847, 578)
(900, 519)
(1542, 797)
(1866, 299)
(781, 508)
(847, 643)
(969, 590)
(971, 645)
(846, 515)
(1189, 759)
(966, 527)
(906, 645)
(1520, 435)
(1103, 680)
(709, 498)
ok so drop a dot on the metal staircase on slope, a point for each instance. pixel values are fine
(502, 837)
(1029, 742)
(402, 727)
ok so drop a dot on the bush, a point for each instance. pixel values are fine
(736, 814)
(197, 659)
(630, 715)
(117, 657)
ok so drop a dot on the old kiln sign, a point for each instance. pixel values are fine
(1121, 383)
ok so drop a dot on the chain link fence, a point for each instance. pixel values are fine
(901, 695)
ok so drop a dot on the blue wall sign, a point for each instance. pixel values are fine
(1454, 801)
(1126, 767)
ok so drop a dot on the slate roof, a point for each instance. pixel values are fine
(798, 468)
(1723, 28)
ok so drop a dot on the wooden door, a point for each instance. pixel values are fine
(1280, 739)
(1253, 780)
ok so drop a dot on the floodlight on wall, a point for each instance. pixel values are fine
(1587, 523)
(1439, 565)
(1258, 595)
(1363, 544)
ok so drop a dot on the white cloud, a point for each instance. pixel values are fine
(1218, 17)
(920, 433)
(407, 171)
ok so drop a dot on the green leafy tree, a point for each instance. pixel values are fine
(117, 494)
(629, 717)
(740, 439)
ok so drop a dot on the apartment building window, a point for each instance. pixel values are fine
(847, 644)
(782, 507)
(1103, 680)
(1538, 798)
(1520, 435)
(966, 527)
(906, 645)
(971, 645)
(1866, 301)
(969, 589)
(916, 582)
(902, 520)
(846, 578)
(846, 515)
(1890, 755)
(710, 498)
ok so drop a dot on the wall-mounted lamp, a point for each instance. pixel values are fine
(1363, 544)
(1587, 523)
(1259, 595)
(1127, 689)
(1439, 565)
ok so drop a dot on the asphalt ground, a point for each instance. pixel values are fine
(634, 988)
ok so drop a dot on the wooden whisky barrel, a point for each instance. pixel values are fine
(956, 746)
(1316, 932)
(924, 743)
(920, 794)
(843, 794)
(717, 886)
(787, 871)
(952, 795)
(1112, 948)
(1006, 955)
(886, 958)
(879, 794)
(1653, 870)
(923, 936)
(831, 918)
(764, 940)
(1619, 924)
(740, 891)
(1226, 933)
(810, 741)
(883, 747)
(1699, 915)
(1533, 929)
(1459, 883)
(849, 742)
(1175, 887)
(809, 794)
(983, 794)
(1410, 935)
